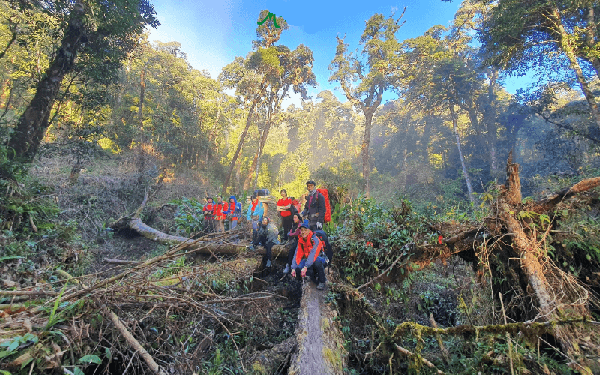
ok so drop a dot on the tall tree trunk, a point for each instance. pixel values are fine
(425, 139)
(261, 146)
(462, 159)
(568, 49)
(240, 144)
(590, 40)
(141, 157)
(364, 150)
(32, 125)
(491, 115)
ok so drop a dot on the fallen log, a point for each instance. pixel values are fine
(200, 246)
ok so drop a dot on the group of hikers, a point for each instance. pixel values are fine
(309, 251)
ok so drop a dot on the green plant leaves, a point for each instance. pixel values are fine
(90, 358)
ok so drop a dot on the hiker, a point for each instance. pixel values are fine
(254, 215)
(307, 257)
(219, 216)
(293, 241)
(267, 237)
(284, 207)
(208, 209)
(233, 212)
(314, 210)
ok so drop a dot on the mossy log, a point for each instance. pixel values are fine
(320, 341)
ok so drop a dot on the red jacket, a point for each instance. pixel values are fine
(285, 202)
(208, 210)
(219, 215)
(309, 248)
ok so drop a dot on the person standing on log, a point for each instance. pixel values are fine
(314, 209)
(233, 212)
(284, 207)
(254, 215)
(293, 241)
(209, 209)
(219, 215)
(307, 257)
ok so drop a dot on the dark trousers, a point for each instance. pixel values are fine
(286, 223)
(292, 250)
(316, 271)
(260, 241)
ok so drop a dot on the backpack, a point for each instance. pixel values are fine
(325, 194)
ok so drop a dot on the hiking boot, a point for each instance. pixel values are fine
(269, 263)
(322, 285)
(287, 269)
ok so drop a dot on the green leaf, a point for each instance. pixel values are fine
(13, 345)
(90, 358)
(78, 371)
(4, 353)
(107, 353)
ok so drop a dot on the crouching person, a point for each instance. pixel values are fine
(307, 257)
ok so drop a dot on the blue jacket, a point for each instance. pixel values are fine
(238, 207)
(257, 211)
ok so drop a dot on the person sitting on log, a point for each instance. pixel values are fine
(267, 237)
(293, 241)
(307, 257)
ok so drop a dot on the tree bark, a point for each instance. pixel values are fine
(32, 125)
(364, 149)
(141, 157)
(462, 159)
(261, 145)
(240, 144)
(531, 255)
(491, 115)
(568, 49)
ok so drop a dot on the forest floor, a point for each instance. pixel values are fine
(231, 315)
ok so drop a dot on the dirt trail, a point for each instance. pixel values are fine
(320, 342)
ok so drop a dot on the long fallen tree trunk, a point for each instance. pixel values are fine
(218, 245)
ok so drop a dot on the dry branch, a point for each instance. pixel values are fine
(135, 344)
(443, 349)
(27, 293)
(410, 354)
(383, 273)
(549, 203)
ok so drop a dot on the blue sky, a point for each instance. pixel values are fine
(213, 33)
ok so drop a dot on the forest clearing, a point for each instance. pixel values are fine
(418, 217)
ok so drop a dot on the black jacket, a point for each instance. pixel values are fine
(315, 204)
